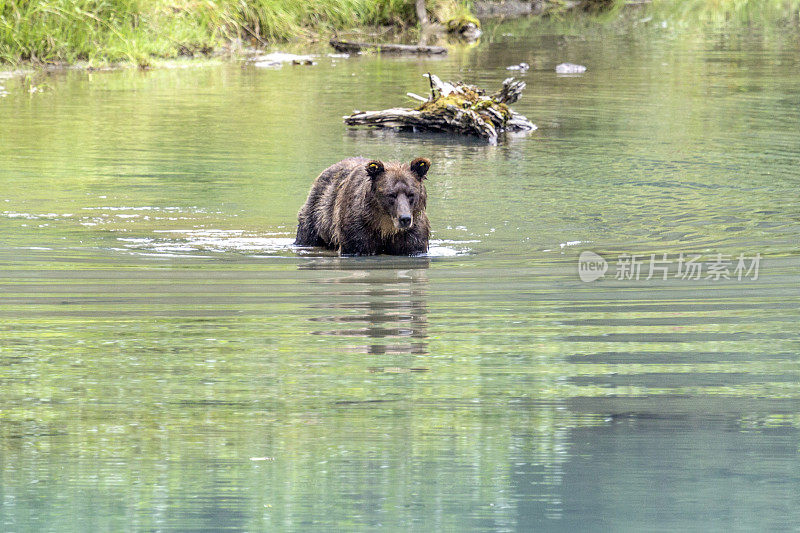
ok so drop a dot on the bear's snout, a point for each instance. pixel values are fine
(403, 212)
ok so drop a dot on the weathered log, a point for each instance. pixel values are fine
(456, 108)
(350, 47)
(456, 120)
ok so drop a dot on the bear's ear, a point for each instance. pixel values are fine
(374, 168)
(420, 167)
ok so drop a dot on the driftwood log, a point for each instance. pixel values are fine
(349, 47)
(455, 108)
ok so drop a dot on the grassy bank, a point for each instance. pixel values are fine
(48, 31)
(108, 31)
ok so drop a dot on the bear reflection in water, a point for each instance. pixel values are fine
(380, 300)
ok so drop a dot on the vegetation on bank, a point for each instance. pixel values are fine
(102, 31)
(51, 31)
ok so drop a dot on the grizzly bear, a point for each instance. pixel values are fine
(363, 207)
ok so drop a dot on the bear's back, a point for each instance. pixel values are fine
(319, 213)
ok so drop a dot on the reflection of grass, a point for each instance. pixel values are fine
(726, 11)
(697, 14)
(693, 12)
(171, 390)
(684, 14)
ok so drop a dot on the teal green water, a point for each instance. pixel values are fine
(169, 362)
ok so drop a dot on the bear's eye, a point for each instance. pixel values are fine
(410, 197)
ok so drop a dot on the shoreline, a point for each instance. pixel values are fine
(63, 34)
(72, 32)
(226, 43)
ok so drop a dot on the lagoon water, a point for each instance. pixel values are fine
(169, 362)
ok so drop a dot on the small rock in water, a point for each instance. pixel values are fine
(522, 67)
(570, 68)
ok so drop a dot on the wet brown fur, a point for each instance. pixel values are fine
(355, 207)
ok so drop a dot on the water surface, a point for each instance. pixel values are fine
(169, 362)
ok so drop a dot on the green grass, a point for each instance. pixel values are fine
(109, 31)
(97, 31)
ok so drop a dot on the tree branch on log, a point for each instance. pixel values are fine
(511, 91)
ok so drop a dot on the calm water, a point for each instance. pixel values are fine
(169, 362)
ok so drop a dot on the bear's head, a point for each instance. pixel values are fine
(399, 190)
